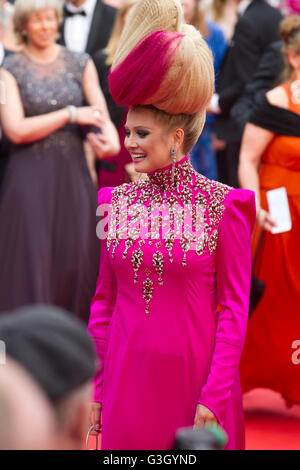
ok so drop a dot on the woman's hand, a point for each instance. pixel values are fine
(90, 116)
(106, 144)
(95, 418)
(204, 416)
(264, 219)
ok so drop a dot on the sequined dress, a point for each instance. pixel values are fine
(48, 243)
(170, 311)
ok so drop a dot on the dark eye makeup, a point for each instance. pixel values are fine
(140, 132)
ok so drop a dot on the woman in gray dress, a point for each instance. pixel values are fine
(48, 244)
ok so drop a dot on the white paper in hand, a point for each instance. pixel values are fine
(279, 210)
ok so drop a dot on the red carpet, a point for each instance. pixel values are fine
(269, 424)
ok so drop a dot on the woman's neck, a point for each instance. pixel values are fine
(43, 55)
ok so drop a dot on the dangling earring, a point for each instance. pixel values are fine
(173, 156)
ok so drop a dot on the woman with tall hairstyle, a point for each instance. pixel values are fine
(269, 160)
(111, 171)
(48, 243)
(170, 310)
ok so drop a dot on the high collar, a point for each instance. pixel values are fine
(163, 176)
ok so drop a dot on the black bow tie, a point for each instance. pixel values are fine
(70, 14)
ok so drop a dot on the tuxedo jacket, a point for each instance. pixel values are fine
(255, 30)
(101, 27)
(266, 77)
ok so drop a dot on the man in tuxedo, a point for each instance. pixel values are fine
(256, 29)
(87, 25)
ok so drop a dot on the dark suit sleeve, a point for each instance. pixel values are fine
(242, 60)
(268, 71)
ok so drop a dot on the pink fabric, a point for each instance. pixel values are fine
(134, 81)
(157, 367)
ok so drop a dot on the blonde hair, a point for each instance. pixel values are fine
(23, 9)
(148, 16)
(191, 124)
(113, 42)
(290, 34)
(189, 83)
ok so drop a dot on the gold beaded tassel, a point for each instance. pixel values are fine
(136, 261)
(147, 293)
(158, 263)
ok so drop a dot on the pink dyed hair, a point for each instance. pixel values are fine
(142, 72)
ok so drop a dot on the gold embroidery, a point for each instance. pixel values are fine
(156, 208)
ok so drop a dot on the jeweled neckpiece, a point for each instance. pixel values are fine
(160, 210)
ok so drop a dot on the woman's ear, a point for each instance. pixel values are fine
(178, 138)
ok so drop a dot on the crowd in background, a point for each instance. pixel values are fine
(245, 143)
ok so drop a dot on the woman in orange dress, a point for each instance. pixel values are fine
(270, 160)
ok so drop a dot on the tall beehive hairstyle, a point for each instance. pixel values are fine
(162, 61)
(146, 17)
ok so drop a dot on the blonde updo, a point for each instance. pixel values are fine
(290, 34)
(148, 16)
(187, 85)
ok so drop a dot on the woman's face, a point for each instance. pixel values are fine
(42, 27)
(148, 142)
(294, 60)
(188, 7)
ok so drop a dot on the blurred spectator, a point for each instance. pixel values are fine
(49, 251)
(111, 172)
(225, 14)
(55, 349)
(203, 155)
(5, 18)
(7, 36)
(87, 25)
(266, 77)
(255, 30)
(288, 7)
(27, 419)
(269, 160)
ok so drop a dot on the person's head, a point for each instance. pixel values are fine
(36, 22)
(27, 419)
(55, 348)
(290, 35)
(151, 134)
(166, 76)
(120, 22)
(194, 15)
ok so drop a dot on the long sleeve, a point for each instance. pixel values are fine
(233, 274)
(102, 304)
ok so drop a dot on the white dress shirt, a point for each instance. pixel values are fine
(1, 53)
(77, 28)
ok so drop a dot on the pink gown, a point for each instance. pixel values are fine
(170, 312)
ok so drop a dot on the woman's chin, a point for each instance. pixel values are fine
(141, 167)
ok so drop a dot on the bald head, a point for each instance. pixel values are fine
(26, 419)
